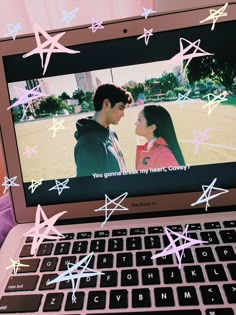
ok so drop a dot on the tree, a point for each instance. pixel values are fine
(64, 96)
(168, 82)
(51, 105)
(79, 95)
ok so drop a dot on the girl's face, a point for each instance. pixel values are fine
(142, 129)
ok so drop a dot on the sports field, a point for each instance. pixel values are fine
(55, 155)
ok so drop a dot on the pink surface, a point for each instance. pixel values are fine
(6, 217)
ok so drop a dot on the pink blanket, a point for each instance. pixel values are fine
(6, 217)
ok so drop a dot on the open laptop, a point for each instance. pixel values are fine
(118, 221)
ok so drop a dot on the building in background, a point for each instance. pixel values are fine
(84, 81)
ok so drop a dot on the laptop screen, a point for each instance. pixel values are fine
(175, 136)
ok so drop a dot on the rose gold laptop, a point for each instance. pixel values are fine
(115, 222)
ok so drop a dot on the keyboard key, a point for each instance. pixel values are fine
(152, 242)
(175, 228)
(105, 261)
(77, 305)
(150, 276)
(124, 260)
(211, 294)
(164, 260)
(118, 299)
(209, 237)
(88, 282)
(67, 237)
(91, 261)
(204, 254)
(65, 261)
(172, 312)
(45, 249)
(187, 257)
(220, 311)
(96, 300)
(49, 264)
(137, 231)
(32, 265)
(25, 252)
(21, 283)
(230, 292)
(144, 259)
(166, 241)
(164, 297)
(109, 279)
(20, 303)
(83, 235)
(62, 248)
(115, 244)
(133, 243)
(216, 272)
(155, 230)
(225, 253)
(97, 246)
(193, 274)
(45, 279)
(232, 270)
(141, 298)
(212, 225)
(67, 284)
(53, 302)
(172, 275)
(194, 226)
(129, 277)
(229, 224)
(103, 233)
(187, 296)
(228, 236)
(80, 247)
(120, 232)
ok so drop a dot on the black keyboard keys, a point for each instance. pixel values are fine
(129, 277)
(232, 270)
(225, 253)
(216, 272)
(76, 304)
(204, 254)
(49, 264)
(230, 292)
(109, 279)
(187, 296)
(228, 236)
(172, 275)
(115, 244)
(53, 302)
(150, 276)
(124, 260)
(193, 274)
(105, 261)
(152, 242)
(211, 294)
(20, 303)
(96, 300)
(118, 299)
(144, 259)
(133, 243)
(141, 298)
(210, 237)
(164, 297)
(97, 246)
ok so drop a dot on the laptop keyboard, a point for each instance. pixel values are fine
(132, 282)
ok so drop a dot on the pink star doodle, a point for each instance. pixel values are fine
(173, 249)
(52, 41)
(206, 196)
(215, 15)
(35, 231)
(96, 25)
(146, 35)
(9, 182)
(187, 54)
(214, 100)
(199, 137)
(146, 12)
(30, 151)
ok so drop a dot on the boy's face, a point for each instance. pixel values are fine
(114, 114)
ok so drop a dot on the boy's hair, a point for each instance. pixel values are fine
(114, 93)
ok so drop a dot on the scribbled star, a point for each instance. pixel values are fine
(183, 98)
(174, 248)
(60, 186)
(116, 206)
(146, 12)
(215, 15)
(214, 101)
(27, 97)
(56, 126)
(146, 35)
(29, 151)
(68, 275)
(35, 184)
(9, 182)
(206, 196)
(188, 53)
(52, 42)
(13, 30)
(199, 137)
(49, 230)
(69, 16)
(96, 25)
(15, 265)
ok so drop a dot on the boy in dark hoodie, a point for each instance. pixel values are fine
(97, 149)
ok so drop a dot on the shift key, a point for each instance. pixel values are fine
(20, 303)
(21, 283)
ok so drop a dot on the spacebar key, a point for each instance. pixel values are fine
(174, 312)
(20, 303)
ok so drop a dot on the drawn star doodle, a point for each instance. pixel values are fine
(69, 16)
(60, 186)
(147, 12)
(52, 42)
(26, 97)
(206, 196)
(68, 275)
(187, 53)
(13, 30)
(57, 126)
(146, 35)
(183, 98)
(30, 151)
(96, 25)
(179, 249)
(199, 137)
(35, 184)
(9, 182)
(46, 234)
(215, 15)
(15, 265)
(215, 101)
(118, 206)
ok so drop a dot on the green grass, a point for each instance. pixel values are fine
(231, 101)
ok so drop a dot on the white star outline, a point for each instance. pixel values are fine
(207, 189)
(118, 206)
(147, 12)
(215, 15)
(146, 35)
(215, 101)
(15, 265)
(67, 274)
(69, 16)
(183, 98)
(173, 249)
(9, 182)
(35, 231)
(57, 125)
(96, 25)
(60, 186)
(12, 30)
(35, 184)
(51, 41)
